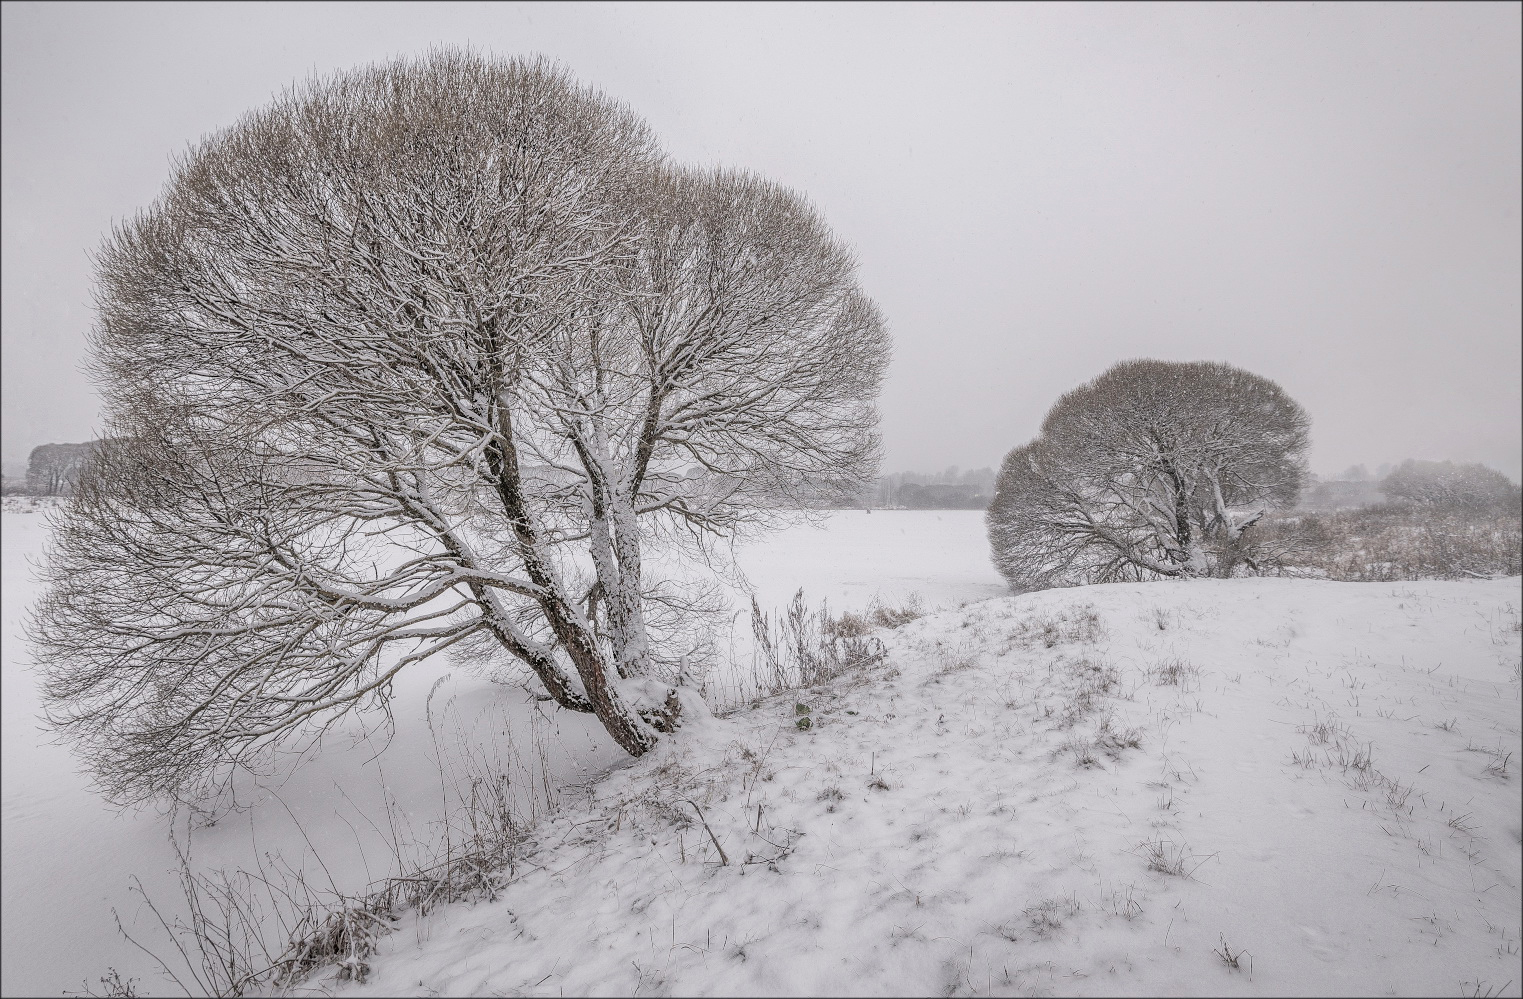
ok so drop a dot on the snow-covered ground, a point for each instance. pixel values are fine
(854, 557)
(1263, 787)
(1329, 770)
(68, 858)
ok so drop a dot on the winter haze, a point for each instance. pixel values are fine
(1326, 196)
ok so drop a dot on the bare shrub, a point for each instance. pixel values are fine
(272, 928)
(112, 985)
(1400, 541)
(800, 647)
(877, 615)
(886, 616)
(345, 938)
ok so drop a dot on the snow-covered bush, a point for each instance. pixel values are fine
(1443, 485)
(1399, 541)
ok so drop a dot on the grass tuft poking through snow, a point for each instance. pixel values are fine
(1171, 858)
(1233, 959)
(1175, 672)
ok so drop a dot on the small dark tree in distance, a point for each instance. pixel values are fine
(1152, 470)
(424, 355)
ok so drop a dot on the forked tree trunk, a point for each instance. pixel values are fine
(571, 630)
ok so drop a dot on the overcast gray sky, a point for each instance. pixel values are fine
(1325, 195)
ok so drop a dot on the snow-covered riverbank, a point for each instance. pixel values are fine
(69, 858)
(997, 808)
(1254, 787)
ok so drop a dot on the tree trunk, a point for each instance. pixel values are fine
(627, 728)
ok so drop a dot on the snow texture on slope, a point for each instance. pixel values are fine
(1247, 787)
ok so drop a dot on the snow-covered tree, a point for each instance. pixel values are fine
(52, 469)
(428, 355)
(1471, 487)
(1154, 469)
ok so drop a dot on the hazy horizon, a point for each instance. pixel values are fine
(1326, 196)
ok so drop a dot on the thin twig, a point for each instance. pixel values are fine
(723, 860)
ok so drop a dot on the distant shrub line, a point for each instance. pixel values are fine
(1394, 541)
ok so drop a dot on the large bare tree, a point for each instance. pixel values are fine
(426, 354)
(1154, 469)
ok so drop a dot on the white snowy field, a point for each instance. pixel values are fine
(69, 858)
(1258, 787)
(996, 808)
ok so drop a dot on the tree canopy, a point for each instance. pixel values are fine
(429, 355)
(1150, 470)
(1448, 485)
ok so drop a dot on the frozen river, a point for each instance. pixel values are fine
(69, 859)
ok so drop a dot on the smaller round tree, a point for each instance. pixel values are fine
(1443, 484)
(1153, 470)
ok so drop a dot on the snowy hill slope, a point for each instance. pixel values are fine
(1226, 787)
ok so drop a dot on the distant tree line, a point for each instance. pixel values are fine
(948, 490)
(1326, 495)
(53, 469)
(1423, 483)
